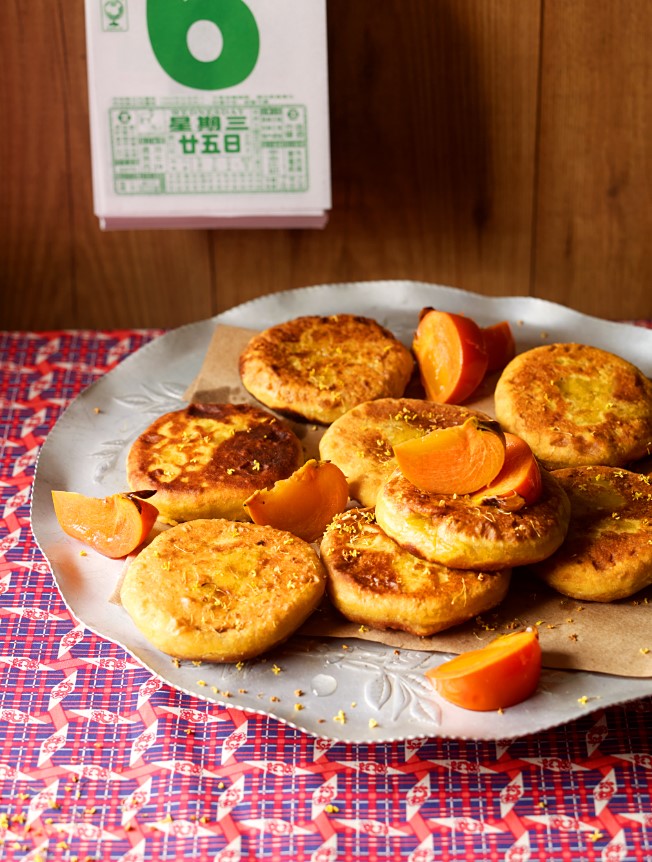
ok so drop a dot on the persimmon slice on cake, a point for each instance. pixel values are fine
(362, 441)
(453, 530)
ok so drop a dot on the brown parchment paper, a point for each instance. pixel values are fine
(604, 638)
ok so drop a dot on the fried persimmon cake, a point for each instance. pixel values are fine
(222, 591)
(373, 581)
(205, 460)
(317, 367)
(576, 405)
(607, 554)
(361, 442)
(452, 531)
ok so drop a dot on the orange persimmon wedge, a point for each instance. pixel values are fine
(519, 482)
(451, 355)
(499, 343)
(305, 503)
(456, 460)
(114, 526)
(501, 674)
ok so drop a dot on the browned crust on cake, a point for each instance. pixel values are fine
(205, 460)
(607, 554)
(318, 367)
(450, 530)
(576, 405)
(221, 591)
(375, 582)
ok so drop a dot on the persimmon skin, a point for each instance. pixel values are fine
(114, 526)
(499, 344)
(305, 503)
(519, 482)
(450, 352)
(456, 460)
(501, 674)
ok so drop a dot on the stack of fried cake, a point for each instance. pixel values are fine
(587, 414)
(213, 588)
(400, 558)
(416, 561)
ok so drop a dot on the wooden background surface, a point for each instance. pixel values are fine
(502, 146)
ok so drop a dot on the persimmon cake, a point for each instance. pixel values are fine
(453, 530)
(607, 554)
(318, 367)
(373, 581)
(361, 442)
(222, 591)
(576, 405)
(204, 461)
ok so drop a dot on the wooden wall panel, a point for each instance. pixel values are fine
(35, 214)
(501, 146)
(433, 115)
(131, 278)
(594, 200)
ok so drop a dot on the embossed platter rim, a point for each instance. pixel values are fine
(386, 686)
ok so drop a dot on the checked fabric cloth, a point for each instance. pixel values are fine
(100, 760)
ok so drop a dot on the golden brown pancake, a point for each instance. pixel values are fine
(361, 442)
(607, 554)
(576, 405)
(373, 581)
(450, 530)
(221, 591)
(317, 367)
(205, 460)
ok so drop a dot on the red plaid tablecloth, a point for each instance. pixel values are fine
(99, 760)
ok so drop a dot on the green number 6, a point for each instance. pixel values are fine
(169, 21)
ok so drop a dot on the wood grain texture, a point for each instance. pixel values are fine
(502, 146)
(35, 211)
(594, 194)
(130, 278)
(433, 138)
